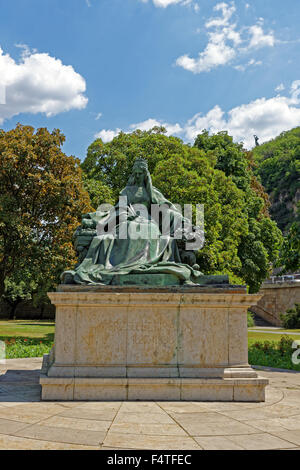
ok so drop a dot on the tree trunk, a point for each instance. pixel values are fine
(42, 311)
(14, 305)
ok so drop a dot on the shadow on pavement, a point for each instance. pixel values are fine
(19, 386)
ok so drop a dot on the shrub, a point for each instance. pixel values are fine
(26, 347)
(285, 345)
(250, 319)
(291, 319)
(264, 346)
(273, 354)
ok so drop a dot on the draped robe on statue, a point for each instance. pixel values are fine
(154, 252)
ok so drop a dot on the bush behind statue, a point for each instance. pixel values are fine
(291, 319)
(250, 319)
(273, 353)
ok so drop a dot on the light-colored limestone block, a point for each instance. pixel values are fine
(101, 339)
(100, 371)
(197, 344)
(154, 389)
(238, 336)
(57, 388)
(152, 335)
(65, 334)
(200, 372)
(204, 390)
(100, 389)
(249, 392)
(163, 344)
(160, 371)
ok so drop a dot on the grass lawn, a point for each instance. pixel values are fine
(253, 336)
(277, 330)
(26, 338)
(27, 328)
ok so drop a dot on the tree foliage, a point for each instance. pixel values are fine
(240, 238)
(278, 166)
(259, 247)
(41, 201)
(289, 260)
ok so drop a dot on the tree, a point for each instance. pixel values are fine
(278, 166)
(290, 253)
(97, 191)
(234, 201)
(41, 202)
(18, 289)
(259, 247)
(230, 156)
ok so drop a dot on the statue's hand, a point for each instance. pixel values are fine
(132, 217)
(88, 223)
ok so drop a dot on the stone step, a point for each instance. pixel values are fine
(259, 321)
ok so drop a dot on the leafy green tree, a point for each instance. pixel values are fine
(99, 193)
(278, 166)
(259, 248)
(41, 201)
(290, 253)
(18, 289)
(230, 156)
(218, 175)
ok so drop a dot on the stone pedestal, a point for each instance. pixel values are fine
(173, 343)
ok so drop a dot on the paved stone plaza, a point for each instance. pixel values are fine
(28, 423)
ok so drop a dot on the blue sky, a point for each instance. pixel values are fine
(94, 67)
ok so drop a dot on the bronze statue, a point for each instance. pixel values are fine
(104, 255)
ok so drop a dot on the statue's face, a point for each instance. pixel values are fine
(138, 175)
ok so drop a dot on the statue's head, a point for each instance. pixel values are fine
(140, 171)
(140, 163)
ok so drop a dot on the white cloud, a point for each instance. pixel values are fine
(2, 94)
(149, 123)
(264, 117)
(39, 83)
(226, 42)
(216, 53)
(280, 87)
(227, 12)
(98, 116)
(107, 134)
(250, 63)
(166, 3)
(259, 38)
(295, 92)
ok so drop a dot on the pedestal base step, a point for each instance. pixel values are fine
(143, 389)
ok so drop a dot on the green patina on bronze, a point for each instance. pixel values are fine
(156, 260)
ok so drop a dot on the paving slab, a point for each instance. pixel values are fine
(147, 442)
(19, 443)
(148, 429)
(59, 434)
(290, 436)
(28, 423)
(217, 443)
(262, 441)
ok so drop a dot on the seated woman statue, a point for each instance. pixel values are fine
(135, 241)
